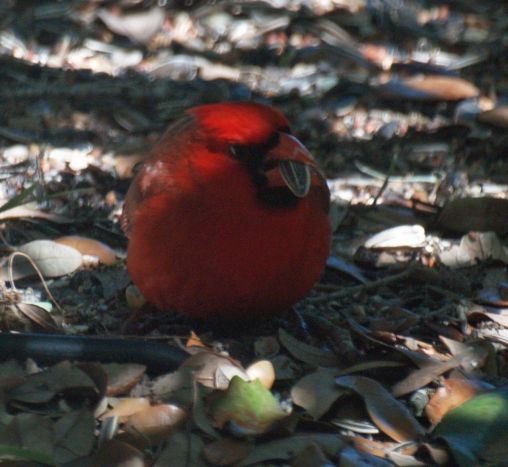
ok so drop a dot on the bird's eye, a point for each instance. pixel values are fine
(241, 152)
(233, 149)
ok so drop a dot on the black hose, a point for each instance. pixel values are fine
(52, 348)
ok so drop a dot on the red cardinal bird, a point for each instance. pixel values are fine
(228, 217)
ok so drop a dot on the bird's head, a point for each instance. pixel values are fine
(260, 138)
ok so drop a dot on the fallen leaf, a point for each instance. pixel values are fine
(350, 414)
(11, 374)
(41, 387)
(351, 457)
(89, 247)
(289, 447)
(316, 392)
(477, 431)
(74, 436)
(122, 377)
(390, 415)
(114, 453)
(247, 404)
(376, 448)
(452, 394)
(431, 88)
(29, 431)
(428, 373)
(176, 387)
(474, 248)
(307, 353)
(214, 370)
(483, 214)
(497, 116)
(139, 26)
(25, 212)
(134, 298)
(285, 368)
(52, 259)
(310, 455)
(38, 315)
(182, 448)
(266, 346)
(345, 267)
(227, 451)
(262, 370)
(27, 455)
(157, 421)
(402, 236)
(125, 407)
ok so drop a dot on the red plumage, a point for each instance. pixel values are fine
(214, 227)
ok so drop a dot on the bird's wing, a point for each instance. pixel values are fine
(150, 180)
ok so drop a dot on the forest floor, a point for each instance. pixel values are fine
(399, 354)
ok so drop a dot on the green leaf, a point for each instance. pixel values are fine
(15, 453)
(477, 431)
(24, 197)
(248, 404)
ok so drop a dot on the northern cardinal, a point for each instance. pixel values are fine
(228, 217)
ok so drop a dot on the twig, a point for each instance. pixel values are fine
(39, 273)
(364, 287)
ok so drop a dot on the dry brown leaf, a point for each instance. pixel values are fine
(390, 415)
(307, 353)
(289, 447)
(226, 451)
(438, 87)
(316, 392)
(351, 457)
(41, 387)
(139, 26)
(126, 407)
(11, 374)
(453, 393)
(499, 318)
(39, 315)
(182, 448)
(89, 247)
(350, 414)
(124, 164)
(97, 373)
(123, 377)
(311, 455)
(285, 368)
(262, 370)
(22, 212)
(472, 355)
(114, 453)
(495, 296)
(473, 248)
(437, 452)
(405, 460)
(214, 370)
(497, 117)
(484, 214)
(194, 341)
(400, 237)
(266, 346)
(28, 430)
(176, 387)
(51, 258)
(374, 447)
(156, 421)
(134, 298)
(74, 436)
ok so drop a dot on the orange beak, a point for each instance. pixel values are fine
(295, 167)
